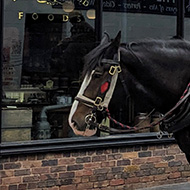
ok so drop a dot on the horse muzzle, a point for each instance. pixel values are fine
(88, 128)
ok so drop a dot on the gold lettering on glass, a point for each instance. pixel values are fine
(78, 18)
(65, 18)
(41, 1)
(85, 3)
(20, 15)
(50, 17)
(35, 16)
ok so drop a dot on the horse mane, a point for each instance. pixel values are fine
(154, 45)
(167, 47)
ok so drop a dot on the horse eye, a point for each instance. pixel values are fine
(107, 67)
(97, 75)
(101, 64)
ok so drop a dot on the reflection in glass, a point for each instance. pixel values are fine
(68, 6)
(91, 14)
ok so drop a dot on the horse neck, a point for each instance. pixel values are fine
(153, 82)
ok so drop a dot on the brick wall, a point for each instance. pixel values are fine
(103, 169)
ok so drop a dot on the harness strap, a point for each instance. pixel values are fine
(85, 100)
(185, 95)
(126, 128)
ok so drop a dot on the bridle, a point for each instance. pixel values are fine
(101, 102)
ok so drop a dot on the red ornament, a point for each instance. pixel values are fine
(104, 87)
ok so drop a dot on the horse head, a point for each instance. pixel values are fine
(100, 76)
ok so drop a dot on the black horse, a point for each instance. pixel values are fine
(154, 72)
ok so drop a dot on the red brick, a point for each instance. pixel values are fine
(32, 185)
(11, 180)
(22, 186)
(132, 180)
(31, 178)
(68, 187)
(173, 151)
(182, 158)
(108, 164)
(77, 180)
(154, 159)
(101, 184)
(58, 169)
(44, 177)
(12, 166)
(101, 171)
(186, 174)
(115, 182)
(50, 162)
(161, 165)
(83, 159)
(84, 186)
(114, 156)
(108, 188)
(66, 175)
(161, 177)
(22, 172)
(92, 165)
(85, 179)
(98, 158)
(74, 167)
(66, 161)
(6, 173)
(130, 155)
(31, 164)
(13, 187)
(40, 170)
(54, 188)
(4, 187)
(139, 161)
(174, 175)
(170, 170)
(146, 179)
(84, 173)
(159, 152)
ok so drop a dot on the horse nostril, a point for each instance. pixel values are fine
(75, 124)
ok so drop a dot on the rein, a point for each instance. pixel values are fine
(127, 128)
(101, 103)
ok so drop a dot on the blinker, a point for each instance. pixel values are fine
(104, 87)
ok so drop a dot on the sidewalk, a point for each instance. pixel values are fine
(179, 186)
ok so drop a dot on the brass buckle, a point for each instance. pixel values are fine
(112, 70)
(119, 69)
(98, 101)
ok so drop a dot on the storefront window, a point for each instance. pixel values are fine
(44, 42)
(43, 46)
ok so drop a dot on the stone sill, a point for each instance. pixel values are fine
(77, 143)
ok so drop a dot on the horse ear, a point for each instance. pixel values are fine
(105, 39)
(117, 39)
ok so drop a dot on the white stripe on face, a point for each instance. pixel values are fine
(84, 85)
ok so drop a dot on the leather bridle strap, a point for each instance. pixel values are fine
(85, 100)
(114, 70)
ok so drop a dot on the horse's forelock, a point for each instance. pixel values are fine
(92, 59)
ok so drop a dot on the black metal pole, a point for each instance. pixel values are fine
(98, 20)
(1, 58)
(180, 18)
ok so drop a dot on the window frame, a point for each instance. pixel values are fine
(53, 145)
(77, 143)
